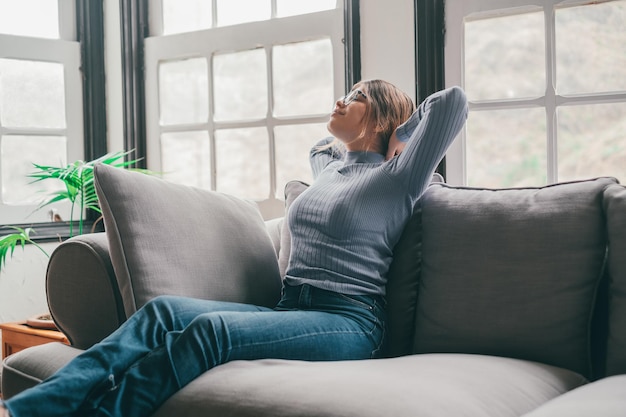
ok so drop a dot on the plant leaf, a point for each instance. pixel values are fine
(9, 242)
(78, 179)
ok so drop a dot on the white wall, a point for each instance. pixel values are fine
(113, 58)
(388, 42)
(22, 284)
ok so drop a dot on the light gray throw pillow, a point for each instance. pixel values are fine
(512, 272)
(167, 238)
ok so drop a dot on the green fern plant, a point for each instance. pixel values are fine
(79, 184)
(79, 191)
(9, 242)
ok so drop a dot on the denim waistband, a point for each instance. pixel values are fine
(306, 296)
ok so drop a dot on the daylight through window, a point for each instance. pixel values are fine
(241, 97)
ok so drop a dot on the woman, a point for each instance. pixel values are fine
(344, 228)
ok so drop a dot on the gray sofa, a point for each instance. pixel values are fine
(501, 303)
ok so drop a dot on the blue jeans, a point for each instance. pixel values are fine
(172, 340)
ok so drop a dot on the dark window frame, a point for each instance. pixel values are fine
(430, 32)
(352, 40)
(134, 29)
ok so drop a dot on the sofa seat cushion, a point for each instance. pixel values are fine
(29, 367)
(417, 385)
(601, 398)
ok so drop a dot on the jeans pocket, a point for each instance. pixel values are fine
(352, 299)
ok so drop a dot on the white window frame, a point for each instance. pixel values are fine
(456, 13)
(64, 51)
(241, 37)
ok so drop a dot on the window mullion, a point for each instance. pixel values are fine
(270, 115)
(67, 22)
(213, 126)
(155, 18)
(550, 99)
(214, 13)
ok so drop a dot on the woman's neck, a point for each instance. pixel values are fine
(364, 145)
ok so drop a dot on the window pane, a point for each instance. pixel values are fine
(186, 15)
(32, 94)
(506, 148)
(240, 85)
(231, 12)
(505, 57)
(293, 144)
(243, 162)
(18, 153)
(591, 48)
(38, 18)
(186, 158)
(295, 7)
(184, 91)
(591, 141)
(303, 78)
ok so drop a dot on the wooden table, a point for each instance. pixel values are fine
(19, 336)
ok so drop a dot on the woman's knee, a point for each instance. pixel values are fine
(169, 300)
(163, 304)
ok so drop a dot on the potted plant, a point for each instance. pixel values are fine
(79, 191)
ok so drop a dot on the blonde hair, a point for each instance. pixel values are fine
(388, 107)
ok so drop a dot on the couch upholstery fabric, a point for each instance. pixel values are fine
(26, 368)
(433, 385)
(165, 238)
(476, 274)
(616, 226)
(604, 398)
(545, 250)
(93, 308)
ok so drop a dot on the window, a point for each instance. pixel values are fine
(238, 91)
(41, 118)
(547, 90)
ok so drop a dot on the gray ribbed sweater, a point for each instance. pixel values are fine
(345, 225)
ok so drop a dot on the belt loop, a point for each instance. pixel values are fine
(304, 300)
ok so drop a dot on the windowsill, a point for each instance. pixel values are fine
(55, 231)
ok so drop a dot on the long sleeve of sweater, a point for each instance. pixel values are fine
(429, 132)
(345, 225)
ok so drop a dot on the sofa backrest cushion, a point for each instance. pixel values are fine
(615, 201)
(402, 288)
(167, 238)
(511, 272)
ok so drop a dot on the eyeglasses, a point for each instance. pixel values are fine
(352, 96)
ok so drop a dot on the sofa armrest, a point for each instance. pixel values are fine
(83, 294)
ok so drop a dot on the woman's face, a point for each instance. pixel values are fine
(346, 120)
